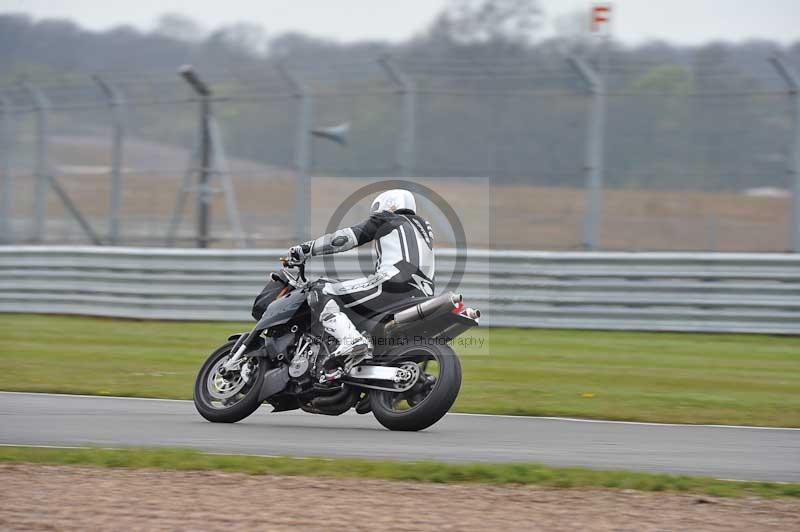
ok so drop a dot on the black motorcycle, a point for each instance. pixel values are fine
(410, 382)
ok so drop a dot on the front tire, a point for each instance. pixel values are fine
(429, 400)
(227, 401)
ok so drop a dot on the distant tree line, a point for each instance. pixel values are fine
(494, 98)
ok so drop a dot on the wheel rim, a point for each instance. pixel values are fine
(426, 366)
(225, 392)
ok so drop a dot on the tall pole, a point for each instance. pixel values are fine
(204, 174)
(594, 152)
(204, 195)
(793, 82)
(116, 103)
(406, 152)
(6, 151)
(41, 172)
(302, 153)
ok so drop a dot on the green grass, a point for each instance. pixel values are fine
(525, 474)
(681, 378)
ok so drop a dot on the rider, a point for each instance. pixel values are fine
(404, 268)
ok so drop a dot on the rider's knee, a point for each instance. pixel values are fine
(329, 309)
(322, 304)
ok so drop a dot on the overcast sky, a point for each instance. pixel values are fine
(678, 21)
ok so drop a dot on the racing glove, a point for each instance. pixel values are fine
(299, 253)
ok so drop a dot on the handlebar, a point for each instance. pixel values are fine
(301, 266)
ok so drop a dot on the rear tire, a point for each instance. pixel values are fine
(434, 405)
(245, 405)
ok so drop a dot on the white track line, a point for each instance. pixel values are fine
(213, 453)
(95, 396)
(499, 416)
(37, 446)
(617, 422)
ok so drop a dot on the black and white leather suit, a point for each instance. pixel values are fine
(404, 266)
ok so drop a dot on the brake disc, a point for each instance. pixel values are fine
(220, 387)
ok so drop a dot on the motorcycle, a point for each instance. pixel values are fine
(409, 384)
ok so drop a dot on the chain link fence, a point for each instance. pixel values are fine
(680, 157)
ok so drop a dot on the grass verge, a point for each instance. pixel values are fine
(660, 377)
(522, 474)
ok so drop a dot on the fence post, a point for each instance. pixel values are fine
(302, 153)
(203, 188)
(6, 151)
(406, 152)
(793, 82)
(594, 152)
(41, 107)
(116, 103)
(45, 178)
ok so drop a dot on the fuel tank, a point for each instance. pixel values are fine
(291, 307)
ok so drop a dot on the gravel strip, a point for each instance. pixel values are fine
(35, 497)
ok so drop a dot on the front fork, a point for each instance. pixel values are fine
(238, 350)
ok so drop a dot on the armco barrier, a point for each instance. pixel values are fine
(719, 292)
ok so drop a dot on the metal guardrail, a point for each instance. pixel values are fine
(716, 292)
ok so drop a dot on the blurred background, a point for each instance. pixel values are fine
(597, 126)
(626, 175)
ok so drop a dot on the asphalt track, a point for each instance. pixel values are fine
(741, 453)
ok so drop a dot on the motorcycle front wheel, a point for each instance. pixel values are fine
(435, 390)
(231, 398)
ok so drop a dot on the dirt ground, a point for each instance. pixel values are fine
(34, 497)
(633, 218)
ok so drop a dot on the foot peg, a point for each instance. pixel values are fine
(331, 376)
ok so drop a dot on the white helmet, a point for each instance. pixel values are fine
(394, 200)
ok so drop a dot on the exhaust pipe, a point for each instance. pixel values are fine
(335, 404)
(433, 307)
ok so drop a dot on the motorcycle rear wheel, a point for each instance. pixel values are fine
(229, 400)
(430, 399)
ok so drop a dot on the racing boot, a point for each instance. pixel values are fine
(354, 347)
